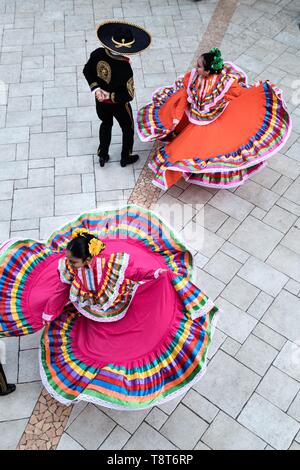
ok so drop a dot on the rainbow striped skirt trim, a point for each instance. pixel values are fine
(153, 354)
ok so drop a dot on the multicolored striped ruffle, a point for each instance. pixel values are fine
(177, 361)
(233, 168)
(149, 126)
(19, 260)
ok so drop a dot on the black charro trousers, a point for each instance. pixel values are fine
(122, 112)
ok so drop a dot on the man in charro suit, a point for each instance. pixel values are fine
(110, 77)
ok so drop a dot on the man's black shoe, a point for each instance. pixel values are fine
(8, 389)
(129, 160)
(103, 160)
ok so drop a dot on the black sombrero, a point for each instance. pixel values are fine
(123, 37)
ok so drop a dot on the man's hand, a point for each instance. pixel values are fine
(102, 95)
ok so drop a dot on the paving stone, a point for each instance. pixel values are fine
(256, 354)
(234, 322)
(58, 97)
(227, 229)
(226, 378)
(74, 165)
(200, 260)
(243, 238)
(195, 195)
(14, 37)
(211, 218)
(294, 409)
(7, 152)
(201, 446)
(31, 341)
(230, 346)
(268, 422)
(282, 185)
(284, 315)
(67, 184)
(116, 440)
(293, 287)
(83, 146)
(285, 165)
(266, 178)
(43, 163)
(39, 202)
(269, 336)
(22, 151)
(227, 434)
(210, 285)
(80, 114)
(289, 206)
(222, 267)
(257, 194)
(235, 252)
(280, 219)
(146, 438)
(293, 152)
(200, 406)
(48, 145)
(286, 261)
(278, 388)
(217, 340)
(263, 276)
(293, 193)
(231, 204)
(184, 428)
(240, 293)
(4, 231)
(288, 360)
(5, 210)
(13, 135)
(11, 432)
(129, 421)
(156, 418)
(70, 203)
(6, 190)
(204, 241)
(40, 177)
(10, 73)
(294, 446)
(22, 404)
(67, 443)
(111, 177)
(292, 240)
(54, 124)
(79, 129)
(91, 427)
(25, 224)
(29, 366)
(258, 213)
(13, 170)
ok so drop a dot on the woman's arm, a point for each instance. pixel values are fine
(139, 273)
(56, 303)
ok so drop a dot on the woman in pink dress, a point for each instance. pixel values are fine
(125, 325)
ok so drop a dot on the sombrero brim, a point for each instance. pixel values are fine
(106, 30)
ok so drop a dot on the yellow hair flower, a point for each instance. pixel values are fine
(96, 246)
(79, 231)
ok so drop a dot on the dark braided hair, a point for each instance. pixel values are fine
(79, 246)
(212, 61)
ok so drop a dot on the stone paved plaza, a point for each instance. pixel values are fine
(248, 255)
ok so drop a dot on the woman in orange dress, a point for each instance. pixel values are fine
(224, 129)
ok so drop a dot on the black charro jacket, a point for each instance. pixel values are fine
(112, 73)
